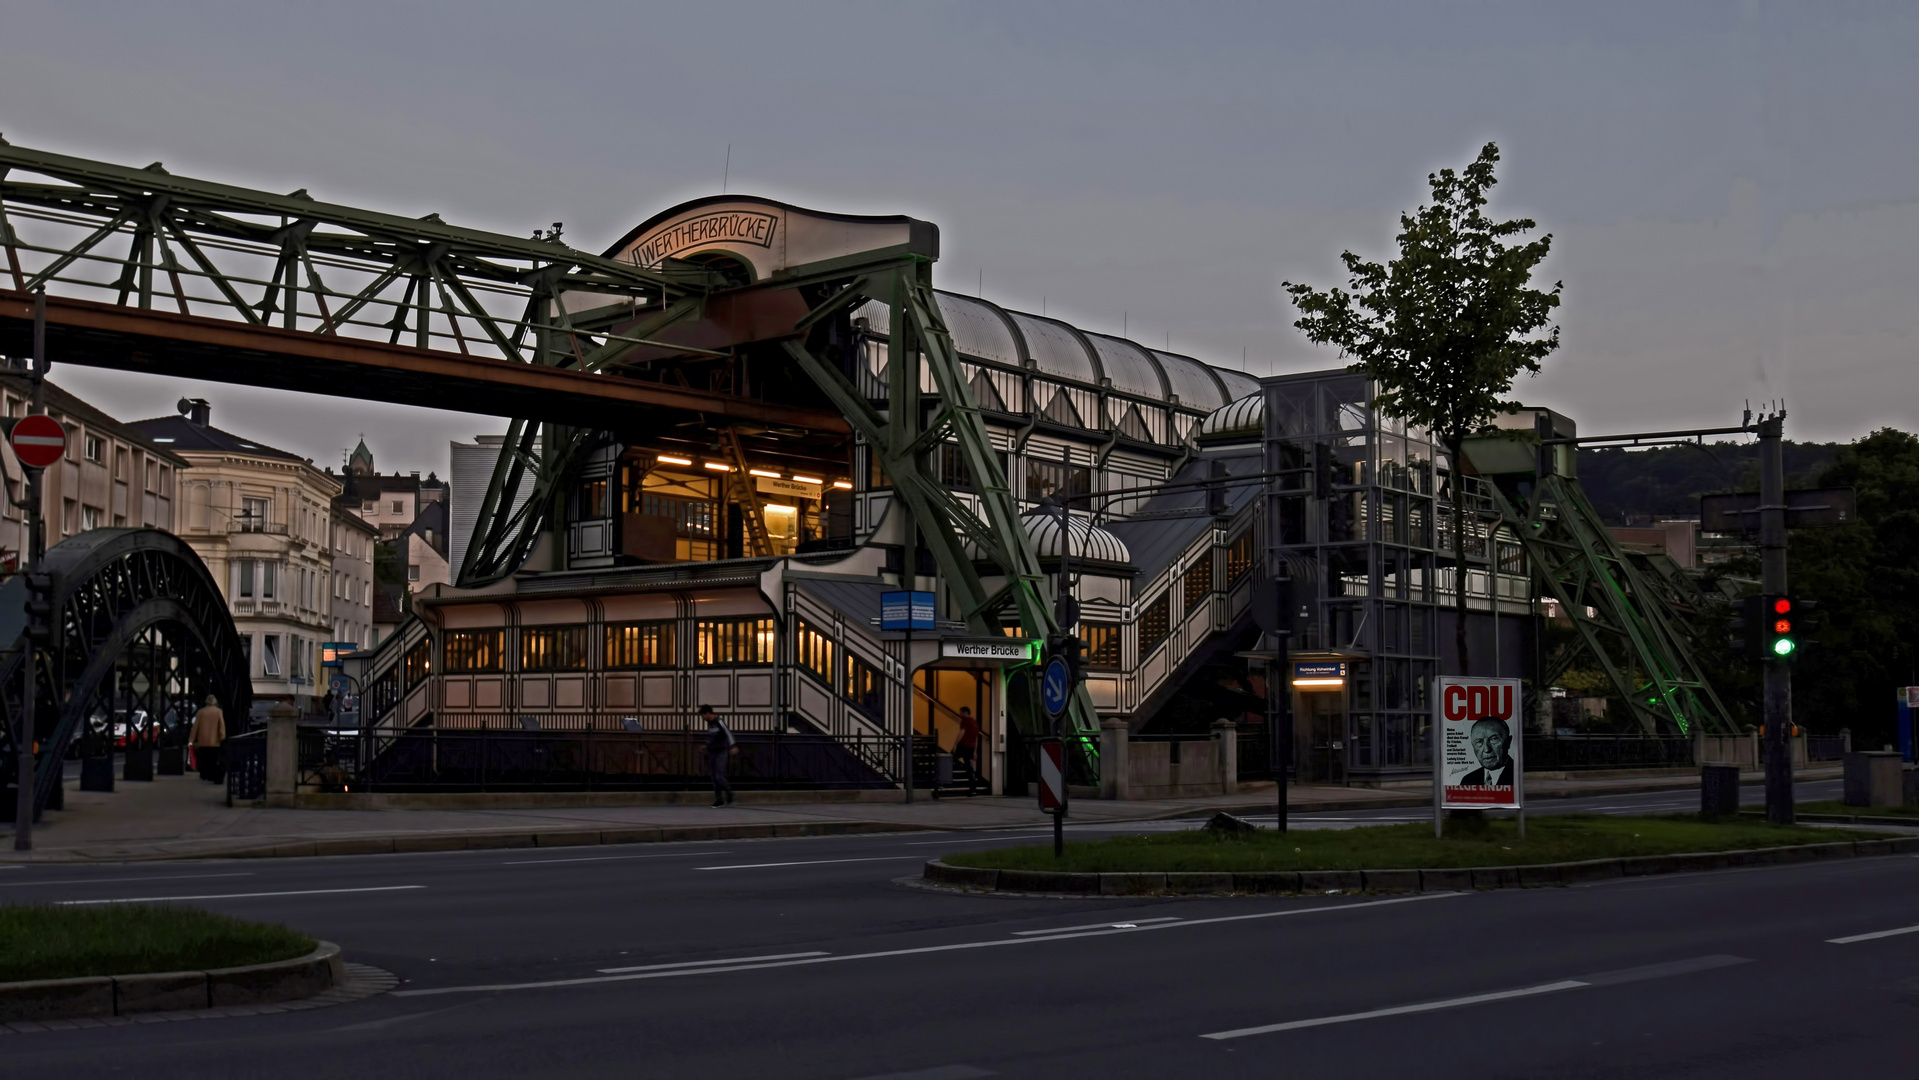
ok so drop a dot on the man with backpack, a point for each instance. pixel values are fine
(720, 746)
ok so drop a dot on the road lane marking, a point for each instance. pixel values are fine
(1398, 1010)
(942, 1072)
(1134, 924)
(711, 963)
(1604, 978)
(232, 896)
(1874, 936)
(807, 862)
(117, 880)
(611, 858)
(491, 988)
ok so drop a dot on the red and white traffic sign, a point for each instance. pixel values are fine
(1052, 775)
(38, 441)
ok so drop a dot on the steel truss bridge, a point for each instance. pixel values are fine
(147, 271)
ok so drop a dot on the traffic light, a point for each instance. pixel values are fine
(39, 607)
(1780, 639)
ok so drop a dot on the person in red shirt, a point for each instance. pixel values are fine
(966, 747)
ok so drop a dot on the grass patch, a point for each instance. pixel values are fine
(40, 941)
(1482, 842)
(1834, 806)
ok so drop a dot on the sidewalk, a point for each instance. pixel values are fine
(179, 817)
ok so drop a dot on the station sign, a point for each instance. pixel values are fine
(1478, 745)
(906, 611)
(1319, 674)
(1004, 651)
(794, 489)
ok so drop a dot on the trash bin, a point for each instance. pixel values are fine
(943, 771)
(1718, 790)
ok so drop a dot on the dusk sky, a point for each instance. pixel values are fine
(1733, 189)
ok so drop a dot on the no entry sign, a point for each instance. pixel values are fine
(38, 441)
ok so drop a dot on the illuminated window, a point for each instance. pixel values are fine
(553, 648)
(1198, 582)
(865, 687)
(1239, 557)
(814, 652)
(1154, 624)
(638, 645)
(418, 661)
(733, 642)
(1102, 645)
(473, 650)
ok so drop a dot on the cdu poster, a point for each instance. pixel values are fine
(1477, 745)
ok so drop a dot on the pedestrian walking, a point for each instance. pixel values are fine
(720, 747)
(209, 741)
(966, 747)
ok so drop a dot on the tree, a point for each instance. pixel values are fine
(1443, 329)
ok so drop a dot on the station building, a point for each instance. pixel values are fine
(745, 569)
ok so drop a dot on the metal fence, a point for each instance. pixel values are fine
(431, 759)
(1575, 752)
(246, 766)
(1255, 754)
(1825, 747)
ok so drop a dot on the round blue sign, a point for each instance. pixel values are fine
(1056, 687)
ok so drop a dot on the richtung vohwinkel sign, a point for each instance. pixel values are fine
(1478, 752)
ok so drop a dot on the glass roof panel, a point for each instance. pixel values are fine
(1191, 381)
(1056, 350)
(978, 330)
(1132, 371)
(1238, 383)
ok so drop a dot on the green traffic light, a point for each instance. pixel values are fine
(1783, 647)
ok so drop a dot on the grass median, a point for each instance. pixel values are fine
(40, 941)
(1468, 842)
(1834, 806)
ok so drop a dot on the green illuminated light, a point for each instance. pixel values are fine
(1783, 647)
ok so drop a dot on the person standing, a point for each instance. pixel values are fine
(209, 741)
(966, 747)
(720, 747)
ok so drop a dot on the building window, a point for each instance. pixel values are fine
(470, 650)
(1198, 580)
(89, 518)
(370, 508)
(269, 654)
(1154, 624)
(1512, 558)
(269, 580)
(296, 657)
(69, 517)
(733, 642)
(593, 498)
(399, 507)
(864, 688)
(638, 645)
(95, 448)
(243, 577)
(1102, 645)
(413, 572)
(418, 662)
(1239, 557)
(814, 652)
(253, 514)
(153, 475)
(1056, 478)
(553, 648)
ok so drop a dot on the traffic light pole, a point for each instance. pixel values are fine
(1776, 699)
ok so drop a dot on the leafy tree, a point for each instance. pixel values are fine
(1443, 329)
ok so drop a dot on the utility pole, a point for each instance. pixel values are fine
(25, 729)
(1776, 698)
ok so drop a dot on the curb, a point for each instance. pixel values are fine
(99, 996)
(1271, 882)
(1844, 819)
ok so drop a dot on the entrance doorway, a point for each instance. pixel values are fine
(938, 696)
(1320, 735)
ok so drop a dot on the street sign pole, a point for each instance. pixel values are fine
(1776, 700)
(26, 728)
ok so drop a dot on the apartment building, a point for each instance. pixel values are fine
(350, 591)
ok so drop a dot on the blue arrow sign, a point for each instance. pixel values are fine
(1056, 687)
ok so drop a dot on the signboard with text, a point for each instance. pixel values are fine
(1478, 751)
(906, 611)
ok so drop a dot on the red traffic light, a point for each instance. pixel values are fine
(1781, 606)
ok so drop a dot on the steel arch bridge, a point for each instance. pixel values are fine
(136, 620)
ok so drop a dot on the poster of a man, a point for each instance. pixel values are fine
(1477, 759)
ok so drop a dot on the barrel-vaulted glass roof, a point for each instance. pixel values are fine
(1055, 349)
(1238, 383)
(1191, 381)
(978, 329)
(1132, 371)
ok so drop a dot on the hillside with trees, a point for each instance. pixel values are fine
(1634, 487)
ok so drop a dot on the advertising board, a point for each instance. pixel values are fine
(1478, 751)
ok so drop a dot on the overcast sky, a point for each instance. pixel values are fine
(1733, 189)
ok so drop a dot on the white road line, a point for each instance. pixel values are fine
(116, 880)
(710, 963)
(923, 950)
(610, 858)
(1096, 926)
(807, 862)
(1874, 936)
(232, 896)
(1604, 978)
(1401, 1010)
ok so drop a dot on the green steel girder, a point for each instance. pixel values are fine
(1633, 629)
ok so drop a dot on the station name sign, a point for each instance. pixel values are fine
(986, 650)
(721, 227)
(796, 488)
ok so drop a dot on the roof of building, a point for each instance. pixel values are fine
(66, 404)
(1243, 419)
(182, 434)
(1089, 541)
(1168, 524)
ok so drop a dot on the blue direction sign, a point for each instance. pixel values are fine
(906, 611)
(1056, 687)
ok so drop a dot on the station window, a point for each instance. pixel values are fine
(638, 645)
(865, 688)
(814, 652)
(473, 650)
(593, 498)
(1102, 645)
(553, 648)
(1239, 557)
(1198, 580)
(1056, 478)
(418, 662)
(1154, 624)
(733, 642)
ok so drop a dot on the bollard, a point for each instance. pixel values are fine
(1718, 790)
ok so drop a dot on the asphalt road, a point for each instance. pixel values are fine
(809, 959)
